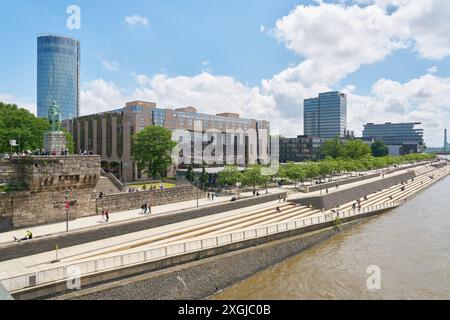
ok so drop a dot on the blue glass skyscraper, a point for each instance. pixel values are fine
(326, 116)
(58, 75)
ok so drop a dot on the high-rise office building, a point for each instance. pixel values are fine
(58, 75)
(326, 116)
(401, 138)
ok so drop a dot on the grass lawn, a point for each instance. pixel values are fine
(149, 185)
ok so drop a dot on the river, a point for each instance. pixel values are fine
(408, 247)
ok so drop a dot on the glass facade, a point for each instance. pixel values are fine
(159, 117)
(394, 133)
(58, 75)
(326, 116)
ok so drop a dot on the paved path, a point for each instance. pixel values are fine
(42, 261)
(95, 221)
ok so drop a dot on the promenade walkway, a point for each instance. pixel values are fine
(260, 214)
(119, 217)
(95, 221)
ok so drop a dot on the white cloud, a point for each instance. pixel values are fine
(262, 29)
(136, 20)
(207, 67)
(332, 42)
(99, 96)
(433, 70)
(108, 65)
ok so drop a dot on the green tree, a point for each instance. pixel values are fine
(333, 148)
(151, 149)
(294, 172)
(253, 177)
(204, 178)
(356, 149)
(379, 149)
(325, 168)
(230, 176)
(311, 170)
(21, 125)
(190, 175)
(69, 141)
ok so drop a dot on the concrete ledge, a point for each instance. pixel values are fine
(39, 245)
(200, 279)
(333, 184)
(4, 294)
(338, 198)
(126, 272)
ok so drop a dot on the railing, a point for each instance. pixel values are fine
(109, 263)
(113, 179)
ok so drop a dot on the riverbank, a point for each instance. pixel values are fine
(193, 286)
(409, 244)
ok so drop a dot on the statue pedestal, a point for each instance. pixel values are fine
(55, 141)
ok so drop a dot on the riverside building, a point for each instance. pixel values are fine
(108, 134)
(326, 116)
(401, 138)
(301, 148)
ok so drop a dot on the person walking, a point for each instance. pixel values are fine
(146, 208)
(149, 209)
(107, 215)
(103, 216)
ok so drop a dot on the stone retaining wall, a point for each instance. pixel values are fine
(51, 182)
(134, 200)
(337, 198)
(8, 172)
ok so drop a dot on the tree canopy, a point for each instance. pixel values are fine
(204, 178)
(28, 130)
(253, 177)
(190, 175)
(353, 149)
(317, 170)
(230, 176)
(152, 150)
(379, 149)
(21, 125)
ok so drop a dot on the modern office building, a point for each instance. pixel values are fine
(58, 75)
(326, 116)
(401, 138)
(109, 134)
(301, 148)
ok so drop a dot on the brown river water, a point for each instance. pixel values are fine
(409, 247)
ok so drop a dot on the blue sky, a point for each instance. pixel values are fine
(258, 57)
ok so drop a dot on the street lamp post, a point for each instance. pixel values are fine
(125, 165)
